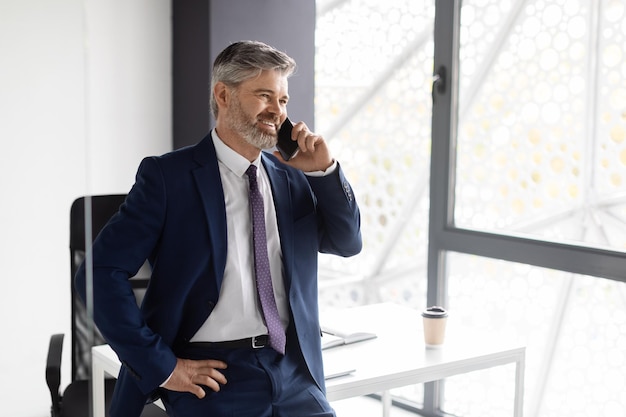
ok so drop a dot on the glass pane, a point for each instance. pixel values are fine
(573, 327)
(373, 104)
(542, 120)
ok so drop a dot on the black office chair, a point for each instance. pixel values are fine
(74, 401)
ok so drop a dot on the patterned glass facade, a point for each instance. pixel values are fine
(541, 152)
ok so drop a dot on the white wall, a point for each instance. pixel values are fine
(85, 93)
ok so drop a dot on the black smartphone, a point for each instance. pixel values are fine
(288, 148)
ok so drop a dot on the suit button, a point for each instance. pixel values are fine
(347, 191)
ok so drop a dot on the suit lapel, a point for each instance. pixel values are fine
(207, 177)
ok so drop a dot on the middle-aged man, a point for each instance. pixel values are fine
(208, 339)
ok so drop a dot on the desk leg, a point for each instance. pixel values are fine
(519, 387)
(97, 389)
(386, 400)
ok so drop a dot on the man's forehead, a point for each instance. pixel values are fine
(268, 80)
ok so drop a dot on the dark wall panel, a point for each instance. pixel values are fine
(202, 28)
(191, 68)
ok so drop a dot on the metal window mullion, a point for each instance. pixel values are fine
(443, 161)
(443, 146)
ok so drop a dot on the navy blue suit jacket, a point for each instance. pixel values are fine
(174, 216)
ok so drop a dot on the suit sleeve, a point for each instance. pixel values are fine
(339, 231)
(119, 251)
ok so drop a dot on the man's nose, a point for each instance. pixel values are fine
(275, 107)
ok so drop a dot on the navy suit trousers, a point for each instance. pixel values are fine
(261, 383)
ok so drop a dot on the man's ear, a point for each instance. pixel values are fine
(222, 94)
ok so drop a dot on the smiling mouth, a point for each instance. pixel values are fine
(269, 124)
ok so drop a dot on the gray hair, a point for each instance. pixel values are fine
(243, 60)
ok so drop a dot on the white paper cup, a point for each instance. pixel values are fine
(435, 319)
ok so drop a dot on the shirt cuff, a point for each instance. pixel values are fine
(167, 380)
(328, 171)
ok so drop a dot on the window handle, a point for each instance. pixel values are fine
(439, 81)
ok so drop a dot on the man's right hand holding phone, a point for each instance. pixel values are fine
(312, 151)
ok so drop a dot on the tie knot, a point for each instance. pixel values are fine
(251, 172)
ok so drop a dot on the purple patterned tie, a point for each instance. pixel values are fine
(262, 266)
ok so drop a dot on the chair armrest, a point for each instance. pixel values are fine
(53, 370)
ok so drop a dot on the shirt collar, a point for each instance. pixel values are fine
(231, 159)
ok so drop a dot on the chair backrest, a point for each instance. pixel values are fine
(84, 332)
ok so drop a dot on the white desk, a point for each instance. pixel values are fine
(395, 359)
(399, 358)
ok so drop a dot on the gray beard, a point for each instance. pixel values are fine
(250, 132)
(256, 137)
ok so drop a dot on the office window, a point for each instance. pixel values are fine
(574, 327)
(542, 120)
(537, 150)
(372, 102)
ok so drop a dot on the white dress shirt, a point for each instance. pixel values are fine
(237, 314)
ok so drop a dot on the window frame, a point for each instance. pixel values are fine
(444, 235)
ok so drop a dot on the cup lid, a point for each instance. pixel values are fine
(435, 312)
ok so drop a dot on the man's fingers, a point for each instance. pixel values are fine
(197, 391)
(307, 140)
(207, 373)
(211, 382)
(211, 375)
(213, 363)
(217, 376)
(314, 154)
(211, 368)
(190, 375)
(300, 133)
